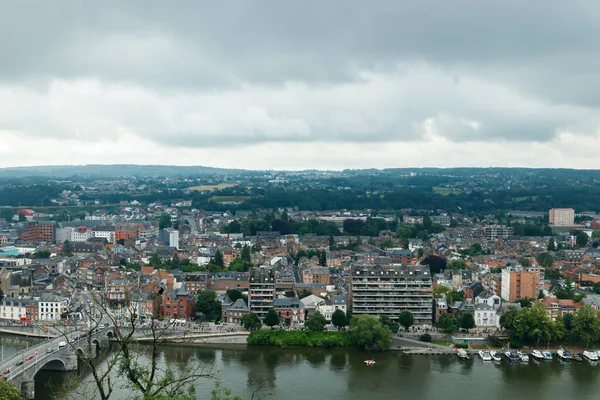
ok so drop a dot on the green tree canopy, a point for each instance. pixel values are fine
(8, 391)
(164, 221)
(466, 321)
(447, 323)
(406, 319)
(250, 321)
(316, 322)
(246, 256)
(545, 259)
(272, 318)
(218, 260)
(457, 265)
(208, 305)
(368, 332)
(586, 324)
(339, 319)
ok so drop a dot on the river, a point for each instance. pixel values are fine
(300, 374)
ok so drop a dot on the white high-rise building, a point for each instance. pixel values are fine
(562, 217)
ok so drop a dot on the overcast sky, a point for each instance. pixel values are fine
(301, 84)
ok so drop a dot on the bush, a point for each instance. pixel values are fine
(497, 345)
(426, 337)
(515, 344)
(300, 338)
(461, 345)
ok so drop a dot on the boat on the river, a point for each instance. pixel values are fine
(370, 362)
(462, 354)
(496, 356)
(512, 356)
(523, 356)
(537, 355)
(564, 355)
(547, 355)
(485, 355)
(590, 355)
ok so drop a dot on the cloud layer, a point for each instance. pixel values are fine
(268, 84)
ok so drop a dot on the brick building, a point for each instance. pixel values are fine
(38, 233)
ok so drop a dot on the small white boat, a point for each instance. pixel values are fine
(590, 355)
(547, 355)
(537, 355)
(564, 355)
(512, 356)
(524, 357)
(496, 356)
(485, 355)
(370, 362)
(462, 354)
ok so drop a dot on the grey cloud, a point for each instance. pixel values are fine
(544, 53)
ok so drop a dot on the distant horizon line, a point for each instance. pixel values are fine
(25, 167)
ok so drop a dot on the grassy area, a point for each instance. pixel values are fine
(223, 199)
(523, 198)
(444, 191)
(442, 343)
(210, 188)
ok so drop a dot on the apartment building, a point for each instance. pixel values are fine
(521, 283)
(262, 290)
(494, 232)
(51, 307)
(562, 217)
(392, 288)
(38, 233)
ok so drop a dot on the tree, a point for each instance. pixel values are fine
(67, 248)
(339, 319)
(304, 293)
(386, 244)
(567, 320)
(8, 391)
(510, 319)
(545, 259)
(331, 243)
(250, 321)
(406, 319)
(551, 245)
(586, 325)
(525, 302)
(457, 265)
(164, 221)
(126, 366)
(272, 318)
(447, 323)
(366, 331)
(155, 260)
(467, 321)
(441, 291)
(218, 260)
(316, 322)
(323, 258)
(234, 294)
(208, 305)
(436, 263)
(386, 321)
(581, 239)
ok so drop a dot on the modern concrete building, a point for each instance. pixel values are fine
(390, 289)
(562, 217)
(493, 232)
(521, 283)
(261, 290)
(169, 237)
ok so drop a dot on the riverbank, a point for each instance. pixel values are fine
(25, 332)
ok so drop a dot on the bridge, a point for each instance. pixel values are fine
(22, 367)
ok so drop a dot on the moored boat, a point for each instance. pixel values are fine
(462, 354)
(485, 355)
(496, 356)
(590, 355)
(547, 355)
(523, 356)
(576, 357)
(537, 355)
(564, 355)
(512, 356)
(370, 362)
